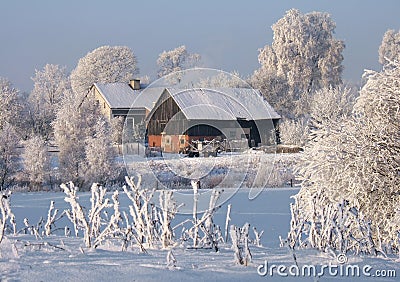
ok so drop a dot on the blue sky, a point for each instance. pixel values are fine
(227, 34)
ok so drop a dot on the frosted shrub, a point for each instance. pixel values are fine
(171, 260)
(141, 211)
(112, 228)
(5, 213)
(240, 244)
(168, 208)
(350, 172)
(293, 132)
(211, 233)
(51, 218)
(90, 223)
(76, 215)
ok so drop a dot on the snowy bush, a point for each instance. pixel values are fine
(350, 172)
(240, 244)
(141, 211)
(168, 210)
(203, 232)
(5, 214)
(292, 132)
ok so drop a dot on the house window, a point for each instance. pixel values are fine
(104, 105)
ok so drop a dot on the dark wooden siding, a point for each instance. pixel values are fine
(163, 115)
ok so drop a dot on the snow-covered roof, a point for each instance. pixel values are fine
(196, 103)
(148, 97)
(121, 95)
(222, 104)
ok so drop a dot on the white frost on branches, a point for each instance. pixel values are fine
(76, 214)
(141, 212)
(303, 58)
(350, 171)
(169, 209)
(106, 64)
(50, 86)
(240, 244)
(51, 218)
(36, 161)
(389, 50)
(176, 60)
(5, 213)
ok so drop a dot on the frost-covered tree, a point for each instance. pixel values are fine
(325, 105)
(303, 58)
(9, 139)
(10, 104)
(176, 60)
(99, 154)
(117, 127)
(350, 171)
(105, 64)
(8, 155)
(274, 89)
(390, 47)
(36, 161)
(223, 80)
(50, 85)
(75, 120)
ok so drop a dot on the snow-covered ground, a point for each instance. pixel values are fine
(64, 258)
(249, 169)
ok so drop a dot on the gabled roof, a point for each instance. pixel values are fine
(222, 104)
(148, 97)
(196, 103)
(122, 96)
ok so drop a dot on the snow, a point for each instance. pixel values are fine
(61, 258)
(222, 104)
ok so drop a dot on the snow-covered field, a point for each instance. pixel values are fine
(249, 169)
(65, 258)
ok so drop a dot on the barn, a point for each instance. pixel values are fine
(182, 116)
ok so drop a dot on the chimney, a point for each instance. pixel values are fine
(134, 84)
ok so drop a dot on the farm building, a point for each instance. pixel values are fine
(124, 100)
(181, 116)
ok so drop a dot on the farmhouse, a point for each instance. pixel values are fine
(123, 100)
(181, 116)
